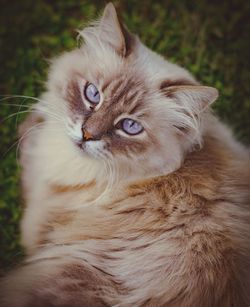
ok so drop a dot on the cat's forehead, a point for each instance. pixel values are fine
(126, 89)
(121, 93)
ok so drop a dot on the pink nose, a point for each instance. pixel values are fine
(87, 135)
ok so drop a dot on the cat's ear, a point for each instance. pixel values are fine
(195, 97)
(191, 101)
(114, 33)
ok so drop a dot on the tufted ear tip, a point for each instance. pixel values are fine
(214, 94)
(207, 95)
(109, 10)
(113, 32)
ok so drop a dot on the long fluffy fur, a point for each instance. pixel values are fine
(163, 224)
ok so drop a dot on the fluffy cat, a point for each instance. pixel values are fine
(136, 194)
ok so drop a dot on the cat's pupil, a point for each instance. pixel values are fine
(92, 94)
(131, 126)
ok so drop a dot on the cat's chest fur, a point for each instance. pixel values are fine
(153, 234)
(174, 226)
(170, 213)
(159, 233)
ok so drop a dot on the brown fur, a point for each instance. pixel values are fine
(189, 209)
(169, 234)
(56, 188)
(178, 82)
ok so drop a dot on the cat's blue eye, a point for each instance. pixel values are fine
(131, 126)
(91, 93)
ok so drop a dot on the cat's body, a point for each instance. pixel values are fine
(167, 225)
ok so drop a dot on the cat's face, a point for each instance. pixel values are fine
(124, 104)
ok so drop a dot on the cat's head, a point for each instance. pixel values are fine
(125, 104)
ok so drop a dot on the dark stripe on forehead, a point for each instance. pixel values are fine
(116, 85)
(126, 91)
(121, 93)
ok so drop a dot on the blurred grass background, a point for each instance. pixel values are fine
(209, 38)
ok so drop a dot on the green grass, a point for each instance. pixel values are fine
(209, 38)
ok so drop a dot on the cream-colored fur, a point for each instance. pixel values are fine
(168, 227)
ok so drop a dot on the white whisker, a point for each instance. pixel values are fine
(13, 114)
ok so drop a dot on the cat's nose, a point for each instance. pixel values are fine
(86, 135)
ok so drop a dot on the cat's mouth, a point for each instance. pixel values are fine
(93, 148)
(84, 144)
(80, 145)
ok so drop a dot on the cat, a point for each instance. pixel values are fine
(136, 194)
